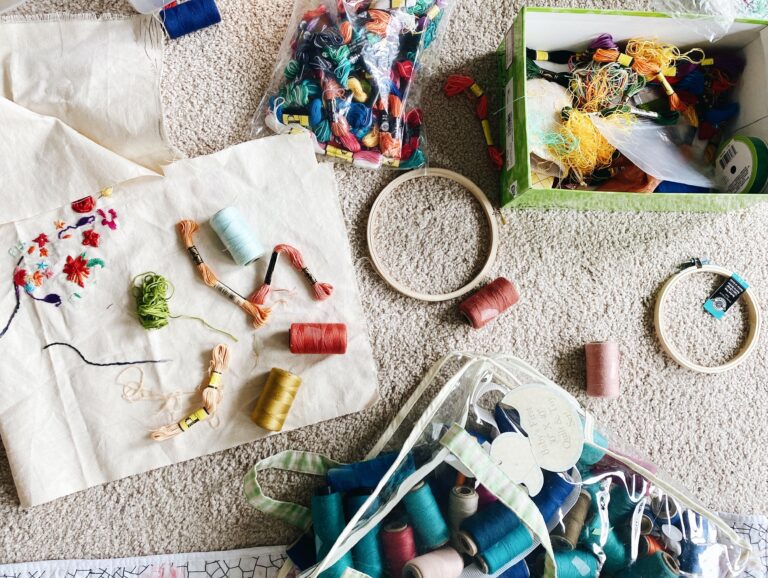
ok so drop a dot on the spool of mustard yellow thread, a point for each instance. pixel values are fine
(276, 399)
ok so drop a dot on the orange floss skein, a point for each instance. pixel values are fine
(258, 313)
(458, 84)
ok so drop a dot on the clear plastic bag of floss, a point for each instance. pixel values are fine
(348, 74)
(468, 481)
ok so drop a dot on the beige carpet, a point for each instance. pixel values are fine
(583, 277)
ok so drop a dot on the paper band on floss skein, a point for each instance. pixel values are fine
(258, 313)
(240, 241)
(276, 399)
(489, 302)
(602, 362)
(211, 396)
(318, 338)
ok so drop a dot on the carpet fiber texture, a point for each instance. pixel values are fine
(584, 276)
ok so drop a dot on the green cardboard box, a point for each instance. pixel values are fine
(557, 29)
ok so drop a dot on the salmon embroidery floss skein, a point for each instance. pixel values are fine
(602, 361)
(490, 302)
(211, 396)
(276, 399)
(321, 290)
(318, 338)
(258, 313)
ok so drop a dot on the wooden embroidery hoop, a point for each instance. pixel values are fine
(487, 208)
(750, 300)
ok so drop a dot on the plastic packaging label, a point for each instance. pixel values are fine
(725, 296)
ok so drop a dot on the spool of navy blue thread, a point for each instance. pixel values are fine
(365, 474)
(303, 553)
(328, 522)
(366, 554)
(553, 495)
(482, 530)
(428, 522)
(190, 16)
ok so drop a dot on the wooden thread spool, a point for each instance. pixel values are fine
(602, 360)
(565, 536)
(276, 399)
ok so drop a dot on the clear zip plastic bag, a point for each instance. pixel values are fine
(489, 469)
(712, 19)
(348, 74)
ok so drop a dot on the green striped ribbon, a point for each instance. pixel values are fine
(490, 475)
(289, 461)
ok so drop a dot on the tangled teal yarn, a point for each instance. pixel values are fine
(299, 93)
(431, 32)
(322, 131)
(337, 54)
(420, 8)
(291, 70)
(415, 161)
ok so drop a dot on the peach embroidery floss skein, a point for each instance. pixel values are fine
(259, 314)
(211, 396)
(490, 302)
(602, 361)
(318, 338)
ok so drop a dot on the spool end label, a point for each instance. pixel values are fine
(725, 296)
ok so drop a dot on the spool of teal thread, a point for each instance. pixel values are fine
(240, 241)
(576, 564)
(328, 522)
(505, 550)
(428, 523)
(590, 455)
(616, 553)
(620, 505)
(366, 554)
(660, 565)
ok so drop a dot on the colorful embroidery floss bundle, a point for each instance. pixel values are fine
(321, 290)
(169, 431)
(399, 546)
(240, 241)
(318, 338)
(349, 76)
(258, 313)
(276, 399)
(489, 302)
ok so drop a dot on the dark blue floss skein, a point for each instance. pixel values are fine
(692, 82)
(721, 114)
(190, 16)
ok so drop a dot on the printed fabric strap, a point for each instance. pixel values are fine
(486, 472)
(289, 461)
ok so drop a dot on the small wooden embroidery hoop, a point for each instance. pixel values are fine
(485, 204)
(755, 321)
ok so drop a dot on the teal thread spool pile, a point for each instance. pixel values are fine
(621, 504)
(240, 241)
(504, 551)
(328, 522)
(428, 523)
(576, 564)
(616, 553)
(366, 554)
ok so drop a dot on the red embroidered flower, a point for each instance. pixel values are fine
(37, 278)
(84, 205)
(20, 277)
(41, 240)
(43, 252)
(77, 270)
(91, 238)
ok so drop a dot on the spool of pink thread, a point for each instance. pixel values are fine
(490, 302)
(602, 369)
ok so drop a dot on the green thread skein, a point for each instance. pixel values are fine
(152, 295)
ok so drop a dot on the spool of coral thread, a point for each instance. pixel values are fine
(399, 547)
(442, 563)
(602, 361)
(318, 338)
(276, 399)
(490, 302)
